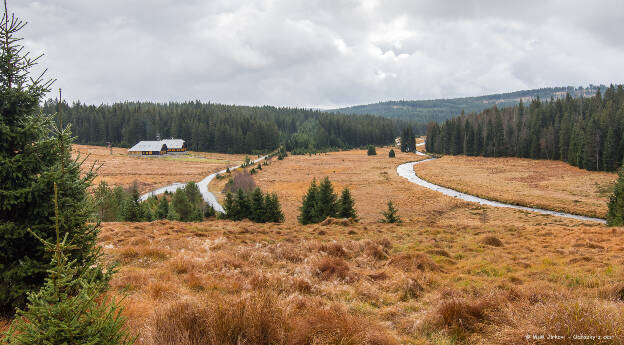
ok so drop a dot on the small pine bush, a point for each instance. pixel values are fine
(391, 215)
(391, 154)
(371, 150)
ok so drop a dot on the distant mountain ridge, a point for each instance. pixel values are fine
(442, 109)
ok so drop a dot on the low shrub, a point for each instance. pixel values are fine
(331, 267)
(492, 241)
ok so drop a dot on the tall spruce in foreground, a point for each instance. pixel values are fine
(68, 309)
(615, 216)
(33, 155)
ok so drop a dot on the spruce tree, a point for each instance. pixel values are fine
(308, 208)
(243, 204)
(258, 207)
(346, 205)
(230, 207)
(615, 216)
(172, 215)
(209, 211)
(106, 207)
(390, 215)
(192, 193)
(391, 154)
(68, 308)
(273, 211)
(131, 209)
(182, 206)
(163, 208)
(326, 205)
(371, 150)
(32, 158)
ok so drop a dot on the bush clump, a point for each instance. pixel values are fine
(371, 150)
(320, 202)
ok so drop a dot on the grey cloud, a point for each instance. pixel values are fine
(320, 52)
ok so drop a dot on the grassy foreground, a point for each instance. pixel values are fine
(452, 273)
(369, 283)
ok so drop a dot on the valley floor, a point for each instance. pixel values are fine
(453, 272)
(152, 172)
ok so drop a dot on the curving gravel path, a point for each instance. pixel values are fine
(203, 188)
(407, 171)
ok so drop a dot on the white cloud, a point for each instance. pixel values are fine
(320, 52)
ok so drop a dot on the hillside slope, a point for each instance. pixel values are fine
(443, 109)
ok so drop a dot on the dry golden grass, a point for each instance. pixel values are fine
(538, 183)
(372, 179)
(452, 273)
(151, 173)
(385, 284)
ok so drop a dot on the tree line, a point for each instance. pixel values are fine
(225, 128)
(584, 132)
(123, 205)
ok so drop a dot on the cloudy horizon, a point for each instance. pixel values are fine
(320, 54)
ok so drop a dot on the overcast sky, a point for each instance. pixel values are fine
(316, 53)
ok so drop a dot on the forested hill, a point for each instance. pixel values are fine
(585, 132)
(442, 109)
(226, 128)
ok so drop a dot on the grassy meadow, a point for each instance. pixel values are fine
(452, 273)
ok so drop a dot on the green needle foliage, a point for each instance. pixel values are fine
(346, 205)
(587, 132)
(163, 208)
(391, 154)
(67, 309)
(34, 153)
(273, 211)
(326, 205)
(391, 215)
(320, 202)
(408, 140)
(615, 216)
(307, 210)
(371, 150)
(255, 206)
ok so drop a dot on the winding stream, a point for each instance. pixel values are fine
(203, 188)
(407, 171)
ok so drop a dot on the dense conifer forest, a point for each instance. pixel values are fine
(226, 128)
(439, 110)
(585, 132)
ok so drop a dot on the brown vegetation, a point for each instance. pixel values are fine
(537, 183)
(285, 284)
(435, 279)
(153, 172)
